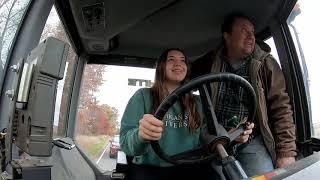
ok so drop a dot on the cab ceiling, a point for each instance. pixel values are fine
(144, 28)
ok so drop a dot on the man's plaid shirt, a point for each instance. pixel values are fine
(232, 100)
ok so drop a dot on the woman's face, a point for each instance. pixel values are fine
(176, 67)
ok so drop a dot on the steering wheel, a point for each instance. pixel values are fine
(216, 135)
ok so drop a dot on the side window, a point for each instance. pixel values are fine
(274, 51)
(11, 14)
(305, 32)
(54, 28)
(104, 93)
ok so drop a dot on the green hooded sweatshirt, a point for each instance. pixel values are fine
(176, 137)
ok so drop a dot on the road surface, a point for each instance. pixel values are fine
(105, 162)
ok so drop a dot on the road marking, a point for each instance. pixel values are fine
(102, 154)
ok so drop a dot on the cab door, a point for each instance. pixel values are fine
(304, 30)
(296, 35)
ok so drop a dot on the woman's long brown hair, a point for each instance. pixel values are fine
(159, 91)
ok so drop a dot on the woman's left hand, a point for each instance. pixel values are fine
(244, 137)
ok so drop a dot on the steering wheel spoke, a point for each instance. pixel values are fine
(208, 110)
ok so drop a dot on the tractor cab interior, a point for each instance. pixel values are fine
(69, 68)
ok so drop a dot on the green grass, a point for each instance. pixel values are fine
(92, 145)
(95, 150)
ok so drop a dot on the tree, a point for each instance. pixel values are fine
(98, 120)
(11, 12)
(10, 16)
(92, 79)
(111, 114)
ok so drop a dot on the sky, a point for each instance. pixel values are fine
(308, 28)
(116, 92)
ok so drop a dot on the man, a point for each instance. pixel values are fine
(273, 143)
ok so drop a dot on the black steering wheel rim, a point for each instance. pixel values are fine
(191, 85)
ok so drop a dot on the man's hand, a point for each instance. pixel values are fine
(285, 161)
(245, 135)
(150, 128)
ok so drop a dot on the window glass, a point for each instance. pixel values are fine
(305, 28)
(54, 28)
(11, 14)
(274, 51)
(104, 94)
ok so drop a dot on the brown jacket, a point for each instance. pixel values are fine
(274, 112)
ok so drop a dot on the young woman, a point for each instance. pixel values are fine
(177, 132)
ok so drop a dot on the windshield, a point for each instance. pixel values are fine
(105, 92)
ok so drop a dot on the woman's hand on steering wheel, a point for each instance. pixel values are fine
(150, 128)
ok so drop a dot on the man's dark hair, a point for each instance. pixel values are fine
(230, 19)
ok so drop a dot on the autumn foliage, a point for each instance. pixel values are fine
(93, 118)
(97, 120)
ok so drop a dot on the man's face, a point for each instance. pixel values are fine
(241, 41)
